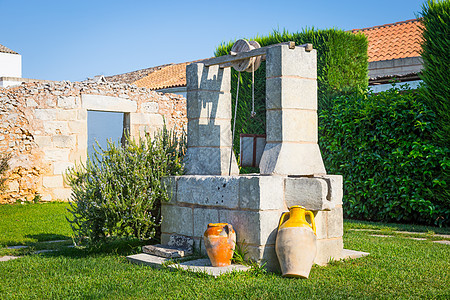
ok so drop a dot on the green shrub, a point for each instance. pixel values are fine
(4, 158)
(341, 68)
(382, 145)
(118, 192)
(436, 60)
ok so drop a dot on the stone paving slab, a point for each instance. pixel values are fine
(147, 259)
(55, 241)
(204, 265)
(418, 239)
(347, 253)
(16, 247)
(381, 235)
(167, 251)
(8, 257)
(198, 265)
(442, 242)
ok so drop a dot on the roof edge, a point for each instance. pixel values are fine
(385, 25)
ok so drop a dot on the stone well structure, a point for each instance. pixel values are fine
(292, 170)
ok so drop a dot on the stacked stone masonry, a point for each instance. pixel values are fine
(253, 204)
(43, 126)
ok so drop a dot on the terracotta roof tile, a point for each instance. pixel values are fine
(4, 49)
(392, 41)
(169, 76)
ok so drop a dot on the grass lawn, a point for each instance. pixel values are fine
(398, 267)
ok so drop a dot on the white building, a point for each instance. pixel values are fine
(10, 67)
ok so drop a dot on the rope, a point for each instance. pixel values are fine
(253, 113)
(234, 121)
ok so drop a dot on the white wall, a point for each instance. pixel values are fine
(10, 65)
(384, 87)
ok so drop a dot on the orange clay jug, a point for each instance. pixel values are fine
(220, 241)
(296, 242)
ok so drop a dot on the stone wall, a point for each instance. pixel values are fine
(44, 128)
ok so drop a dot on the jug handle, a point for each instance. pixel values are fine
(313, 223)
(282, 218)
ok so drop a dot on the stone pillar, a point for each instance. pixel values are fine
(209, 121)
(291, 109)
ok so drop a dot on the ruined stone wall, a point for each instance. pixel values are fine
(43, 126)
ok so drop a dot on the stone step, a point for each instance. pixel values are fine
(198, 265)
(167, 251)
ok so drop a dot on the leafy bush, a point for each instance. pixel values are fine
(341, 68)
(382, 145)
(436, 44)
(118, 192)
(4, 158)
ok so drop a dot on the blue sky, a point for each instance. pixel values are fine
(73, 40)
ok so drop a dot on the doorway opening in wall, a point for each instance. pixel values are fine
(103, 126)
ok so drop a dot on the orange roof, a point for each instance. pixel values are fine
(170, 76)
(392, 41)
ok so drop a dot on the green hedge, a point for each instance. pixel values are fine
(435, 53)
(341, 68)
(382, 145)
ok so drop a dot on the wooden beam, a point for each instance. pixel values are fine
(227, 60)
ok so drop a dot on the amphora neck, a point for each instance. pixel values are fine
(297, 213)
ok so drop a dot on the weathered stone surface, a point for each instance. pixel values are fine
(210, 161)
(177, 220)
(328, 249)
(221, 191)
(292, 125)
(208, 104)
(213, 78)
(108, 103)
(150, 107)
(181, 241)
(204, 265)
(52, 181)
(147, 259)
(291, 159)
(209, 133)
(282, 61)
(167, 251)
(45, 114)
(291, 92)
(68, 102)
(56, 127)
(308, 192)
(66, 115)
(335, 188)
(56, 154)
(335, 221)
(255, 228)
(202, 217)
(64, 141)
(60, 167)
(261, 192)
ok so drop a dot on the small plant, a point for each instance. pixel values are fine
(239, 253)
(118, 192)
(4, 158)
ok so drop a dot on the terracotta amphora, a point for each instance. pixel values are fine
(220, 241)
(296, 242)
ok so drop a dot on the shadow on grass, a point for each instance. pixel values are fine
(45, 237)
(121, 247)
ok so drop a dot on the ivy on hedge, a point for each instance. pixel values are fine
(436, 75)
(382, 145)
